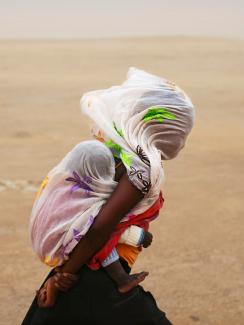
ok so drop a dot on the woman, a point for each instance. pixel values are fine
(144, 120)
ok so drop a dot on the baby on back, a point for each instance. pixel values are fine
(66, 206)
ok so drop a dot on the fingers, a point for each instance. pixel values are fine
(41, 297)
(59, 278)
(64, 281)
(70, 276)
(61, 283)
(61, 286)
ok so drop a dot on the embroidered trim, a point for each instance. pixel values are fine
(120, 133)
(139, 173)
(141, 154)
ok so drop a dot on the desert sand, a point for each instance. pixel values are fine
(196, 262)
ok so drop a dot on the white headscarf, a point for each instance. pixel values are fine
(143, 120)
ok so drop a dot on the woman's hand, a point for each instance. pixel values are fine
(64, 281)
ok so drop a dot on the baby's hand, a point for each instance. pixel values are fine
(47, 295)
(147, 241)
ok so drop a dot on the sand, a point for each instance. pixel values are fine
(196, 262)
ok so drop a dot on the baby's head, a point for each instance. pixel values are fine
(91, 159)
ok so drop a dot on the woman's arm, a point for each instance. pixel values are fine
(123, 199)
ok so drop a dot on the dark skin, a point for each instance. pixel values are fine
(122, 200)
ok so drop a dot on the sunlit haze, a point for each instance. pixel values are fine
(107, 18)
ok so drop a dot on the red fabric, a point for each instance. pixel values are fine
(142, 220)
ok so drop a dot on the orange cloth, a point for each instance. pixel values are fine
(128, 253)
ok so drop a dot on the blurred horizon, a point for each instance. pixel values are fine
(109, 19)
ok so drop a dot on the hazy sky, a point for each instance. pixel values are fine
(112, 18)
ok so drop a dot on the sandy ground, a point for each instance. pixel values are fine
(196, 263)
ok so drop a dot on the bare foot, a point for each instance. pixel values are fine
(132, 281)
(46, 296)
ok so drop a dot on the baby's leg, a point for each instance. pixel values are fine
(125, 281)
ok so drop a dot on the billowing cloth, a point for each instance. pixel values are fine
(70, 198)
(143, 120)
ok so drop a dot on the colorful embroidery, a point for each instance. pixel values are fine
(126, 158)
(120, 133)
(90, 221)
(139, 174)
(115, 148)
(76, 235)
(141, 154)
(118, 152)
(158, 113)
(79, 183)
